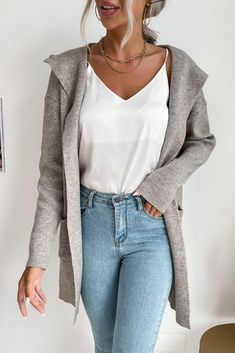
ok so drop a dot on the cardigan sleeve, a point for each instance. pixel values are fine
(160, 186)
(50, 183)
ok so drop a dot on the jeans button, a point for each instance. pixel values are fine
(117, 199)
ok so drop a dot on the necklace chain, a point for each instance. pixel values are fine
(101, 44)
(105, 55)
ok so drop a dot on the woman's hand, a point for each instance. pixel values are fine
(151, 209)
(29, 286)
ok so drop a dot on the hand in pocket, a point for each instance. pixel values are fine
(149, 208)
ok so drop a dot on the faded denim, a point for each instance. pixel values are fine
(127, 271)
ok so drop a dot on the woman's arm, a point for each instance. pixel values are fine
(50, 184)
(160, 186)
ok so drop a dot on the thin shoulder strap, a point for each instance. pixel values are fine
(166, 55)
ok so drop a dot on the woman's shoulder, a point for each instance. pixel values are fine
(70, 55)
(185, 60)
(64, 67)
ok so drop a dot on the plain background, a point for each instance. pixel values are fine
(30, 32)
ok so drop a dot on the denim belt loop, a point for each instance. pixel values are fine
(139, 202)
(90, 198)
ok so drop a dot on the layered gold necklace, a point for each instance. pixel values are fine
(106, 55)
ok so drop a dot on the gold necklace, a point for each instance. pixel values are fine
(122, 72)
(101, 44)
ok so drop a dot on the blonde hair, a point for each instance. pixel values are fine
(148, 34)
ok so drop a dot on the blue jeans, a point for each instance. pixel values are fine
(127, 271)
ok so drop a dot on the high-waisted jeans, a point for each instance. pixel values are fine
(127, 271)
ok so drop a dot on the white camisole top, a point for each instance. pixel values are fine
(121, 139)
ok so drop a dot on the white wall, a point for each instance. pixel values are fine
(30, 31)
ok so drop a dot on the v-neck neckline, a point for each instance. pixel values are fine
(142, 90)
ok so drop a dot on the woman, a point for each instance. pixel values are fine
(124, 128)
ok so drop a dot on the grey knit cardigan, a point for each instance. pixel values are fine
(187, 145)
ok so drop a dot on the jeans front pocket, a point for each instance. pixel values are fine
(83, 211)
(84, 207)
(146, 212)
